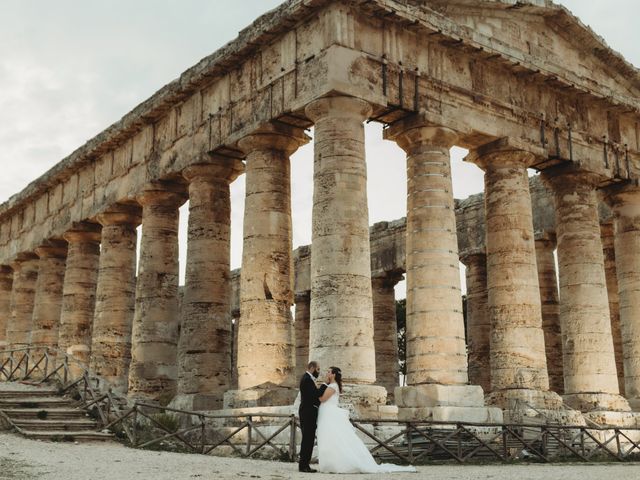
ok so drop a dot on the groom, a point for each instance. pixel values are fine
(308, 413)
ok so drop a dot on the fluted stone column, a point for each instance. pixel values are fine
(6, 280)
(341, 329)
(478, 321)
(518, 356)
(153, 371)
(266, 348)
(608, 251)
(547, 278)
(25, 276)
(436, 349)
(385, 328)
(301, 325)
(626, 207)
(115, 295)
(79, 291)
(48, 295)
(204, 348)
(590, 378)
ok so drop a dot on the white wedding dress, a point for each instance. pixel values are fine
(340, 450)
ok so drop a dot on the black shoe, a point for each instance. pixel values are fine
(306, 469)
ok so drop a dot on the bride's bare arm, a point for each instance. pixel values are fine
(328, 393)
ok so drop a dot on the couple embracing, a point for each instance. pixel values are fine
(340, 450)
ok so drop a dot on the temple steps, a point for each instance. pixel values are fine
(42, 413)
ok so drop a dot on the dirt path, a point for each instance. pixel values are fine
(29, 459)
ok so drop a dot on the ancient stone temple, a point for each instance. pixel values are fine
(524, 86)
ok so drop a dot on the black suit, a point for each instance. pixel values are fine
(308, 414)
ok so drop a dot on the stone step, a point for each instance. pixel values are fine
(68, 435)
(36, 402)
(40, 392)
(45, 413)
(55, 425)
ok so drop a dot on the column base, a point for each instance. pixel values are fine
(196, 401)
(613, 419)
(445, 403)
(589, 402)
(264, 396)
(538, 399)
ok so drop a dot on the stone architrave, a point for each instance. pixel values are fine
(25, 276)
(590, 377)
(385, 327)
(478, 322)
(626, 208)
(341, 328)
(547, 278)
(204, 347)
(115, 295)
(6, 280)
(153, 371)
(48, 295)
(608, 251)
(518, 356)
(79, 292)
(266, 342)
(301, 326)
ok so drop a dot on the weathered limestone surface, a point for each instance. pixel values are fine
(6, 280)
(385, 329)
(341, 330)
(115, 295)
(301, 326)
(204, 348)
(609, 253)
(478, 321)
(436, 350)
(79, 291)
(626, 208)
(266, 349)
(590, 378)
(48, 295)
(547, 278)
(518, 357)
(153, 371)
(25, 275)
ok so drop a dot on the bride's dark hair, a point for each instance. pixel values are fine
(338, 373)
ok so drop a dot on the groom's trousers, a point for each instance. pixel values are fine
(308, 422)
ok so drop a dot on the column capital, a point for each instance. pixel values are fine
(83, 232)
(416, 131)
(504, 152)
(274, 137)
(24, 258)
(341, 106)
(473, 255)
(121, 214)
(52, 249)
(220, 169)
(388, 279)
(166, 193)
(620, 196)
(544, 236)
(564, 177)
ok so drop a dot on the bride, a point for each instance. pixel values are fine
(340, 450)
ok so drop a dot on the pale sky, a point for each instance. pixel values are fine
(70, 68)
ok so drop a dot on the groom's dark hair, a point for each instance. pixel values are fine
(312, 364)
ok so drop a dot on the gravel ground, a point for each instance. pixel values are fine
(22, 459)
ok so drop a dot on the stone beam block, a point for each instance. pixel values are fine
(451, 414)
(421, 396)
